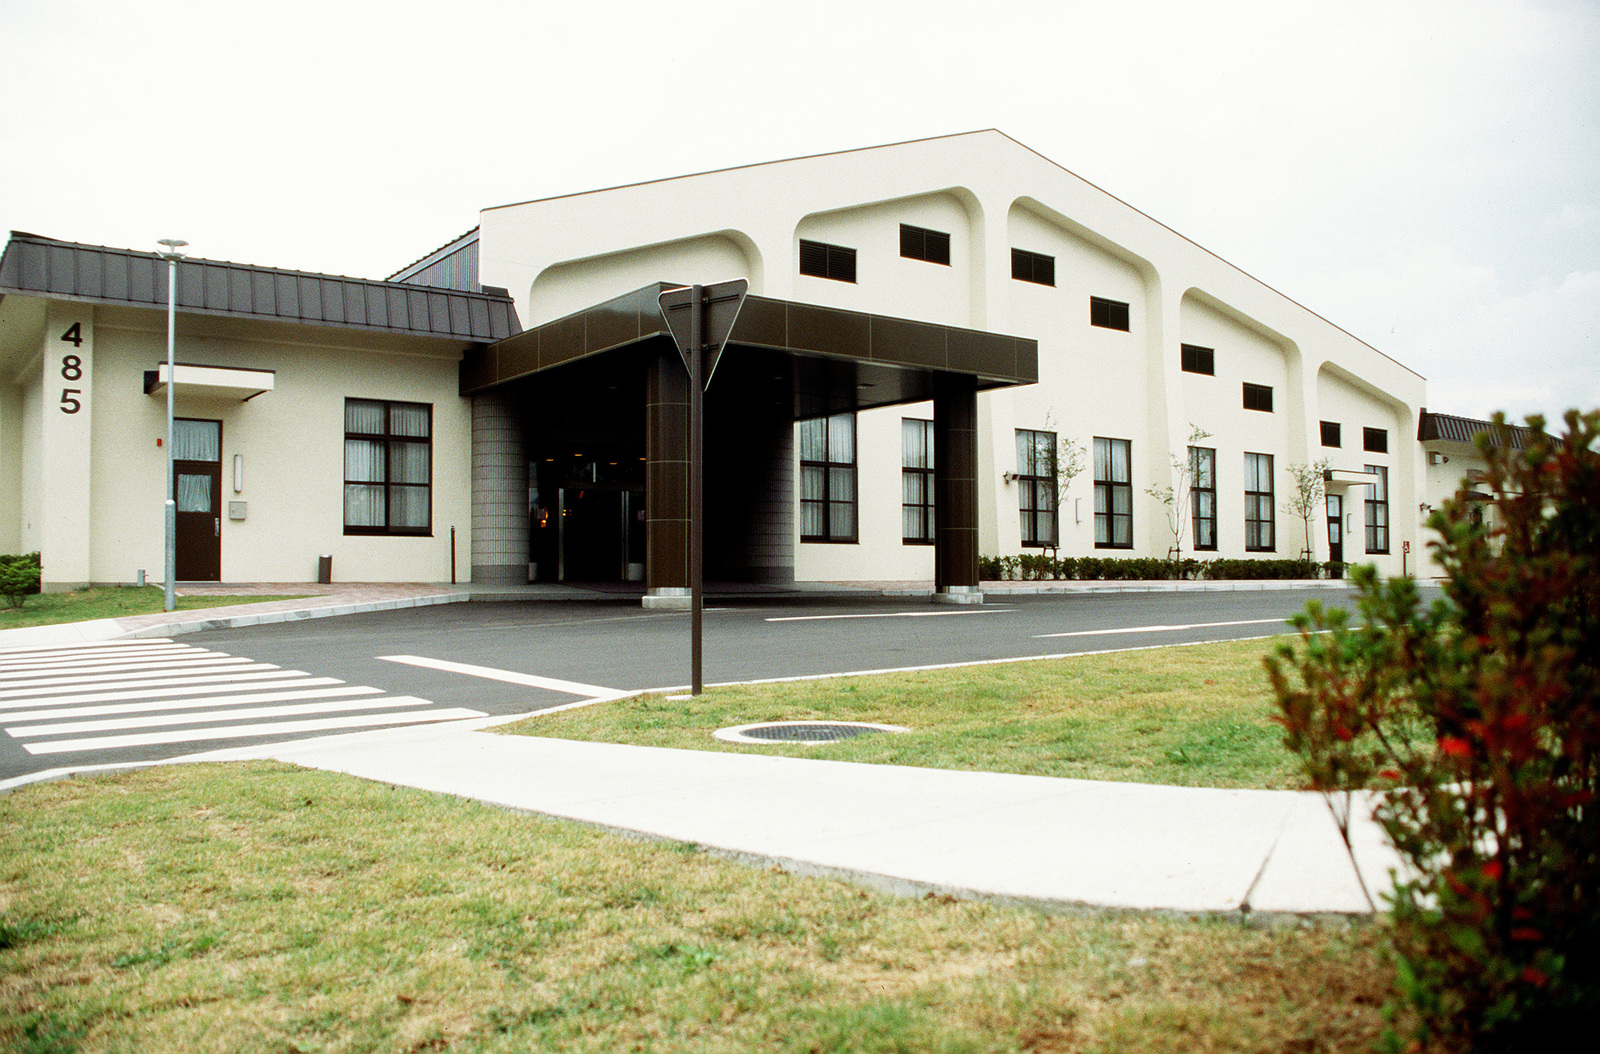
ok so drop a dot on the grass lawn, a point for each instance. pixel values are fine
(1197, 716)
(263, 908)
(82, 605)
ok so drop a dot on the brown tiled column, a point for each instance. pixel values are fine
(955, 481)
(666, 558)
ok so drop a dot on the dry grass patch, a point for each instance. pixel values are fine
(263, 908)
(1188, 716)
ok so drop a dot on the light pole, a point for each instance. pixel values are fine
(172, 256)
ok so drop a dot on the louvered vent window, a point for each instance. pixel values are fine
(919, 243)
(1331, 433)
(821, 260)
(1108, 314)
(1199, 360)
(1033, 267)
(1375, 440)
(1257, 397)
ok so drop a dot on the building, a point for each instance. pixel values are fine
(930, 326)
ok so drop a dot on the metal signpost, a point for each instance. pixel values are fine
(699, 317)
(172, 255)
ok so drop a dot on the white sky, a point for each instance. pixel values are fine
(1424, 173)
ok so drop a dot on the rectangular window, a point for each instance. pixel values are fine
(1199, 360)
(916, 481)
(821, 260)
(1330, 433)
(1259, 518)
(1203, 496)
(1033, 267)
(388, 467)
(1113, 493)
(1036, 482)
(919, 243)
(1375, 440)
(828, 479)
(1378, 511)
(1257, 397)
(1108, 314)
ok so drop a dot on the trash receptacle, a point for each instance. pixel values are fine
(325, 569)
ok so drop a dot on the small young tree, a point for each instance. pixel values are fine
(1175, 497)
(1067, 464)
(1476, 721)
(1307, 499)
(19, 578)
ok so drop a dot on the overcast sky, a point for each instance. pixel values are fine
(1424, 173)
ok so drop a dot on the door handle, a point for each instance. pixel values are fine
(216, 526)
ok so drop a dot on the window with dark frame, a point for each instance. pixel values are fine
(388, 470)
(1108, 314)
(828, 479)
(1375, 440)
(1036, 486)
(1260, 519)
(916, 481)
(1033, 267)
(1199, 360)
(821, 260)
(1330, 433)
(1377, 511)
(1203, 496)
(1113, 493)
(919, 243)
(1257, 397)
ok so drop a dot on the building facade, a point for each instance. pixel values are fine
(933, 329)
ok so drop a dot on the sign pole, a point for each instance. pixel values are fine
(695, 361)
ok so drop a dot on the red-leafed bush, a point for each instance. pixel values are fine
(1476, 720)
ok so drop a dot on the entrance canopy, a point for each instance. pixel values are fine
(843, 360)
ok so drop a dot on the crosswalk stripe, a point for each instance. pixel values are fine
(12, 678)
(173, 704)
(68, 685)
(249, 713)
(42, 649)
(108, 694)
(100, 658)
(276, 697)
(275, 728)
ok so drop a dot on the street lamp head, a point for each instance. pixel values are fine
(173, 245)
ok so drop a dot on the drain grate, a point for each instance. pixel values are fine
(801, 731)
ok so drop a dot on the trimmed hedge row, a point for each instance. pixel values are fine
(1038, 567)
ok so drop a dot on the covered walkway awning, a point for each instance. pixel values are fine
(844, 360)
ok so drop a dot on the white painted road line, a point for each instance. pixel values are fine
(508, 676)
(249, 713)
(1160, 629)
(78, 658)
(39, 649)
(109, 696)
(11, 679)
(68, 685)
(185, 704)
(890, 614)
(271, 728)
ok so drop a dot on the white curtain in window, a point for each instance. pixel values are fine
(842, 439)
(408, 507)
(194, 492)
(365, 416)
(197, 440)
(363, 461)
(408, 419)
(408, 462)
(363, 506)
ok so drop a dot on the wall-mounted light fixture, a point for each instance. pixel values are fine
(238, 473)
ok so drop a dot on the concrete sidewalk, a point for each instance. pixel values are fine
(1056, 843)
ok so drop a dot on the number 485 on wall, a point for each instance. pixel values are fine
(72, 369)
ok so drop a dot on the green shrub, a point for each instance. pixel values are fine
(1477, 719)
(19, 578)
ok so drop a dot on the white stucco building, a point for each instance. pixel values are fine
(927, 322)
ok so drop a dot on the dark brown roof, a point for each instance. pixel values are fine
(38, 266)
(1462, 430)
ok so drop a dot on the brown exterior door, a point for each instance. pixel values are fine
(1336, 528)
(197, 486)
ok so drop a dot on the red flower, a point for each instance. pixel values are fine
(1455, 746)
(1390, 774)
(1491, 870)
(1526, 933)
(1533, 977)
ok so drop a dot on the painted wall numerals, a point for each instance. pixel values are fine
(72, 369)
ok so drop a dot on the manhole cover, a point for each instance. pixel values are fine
(801, 731)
